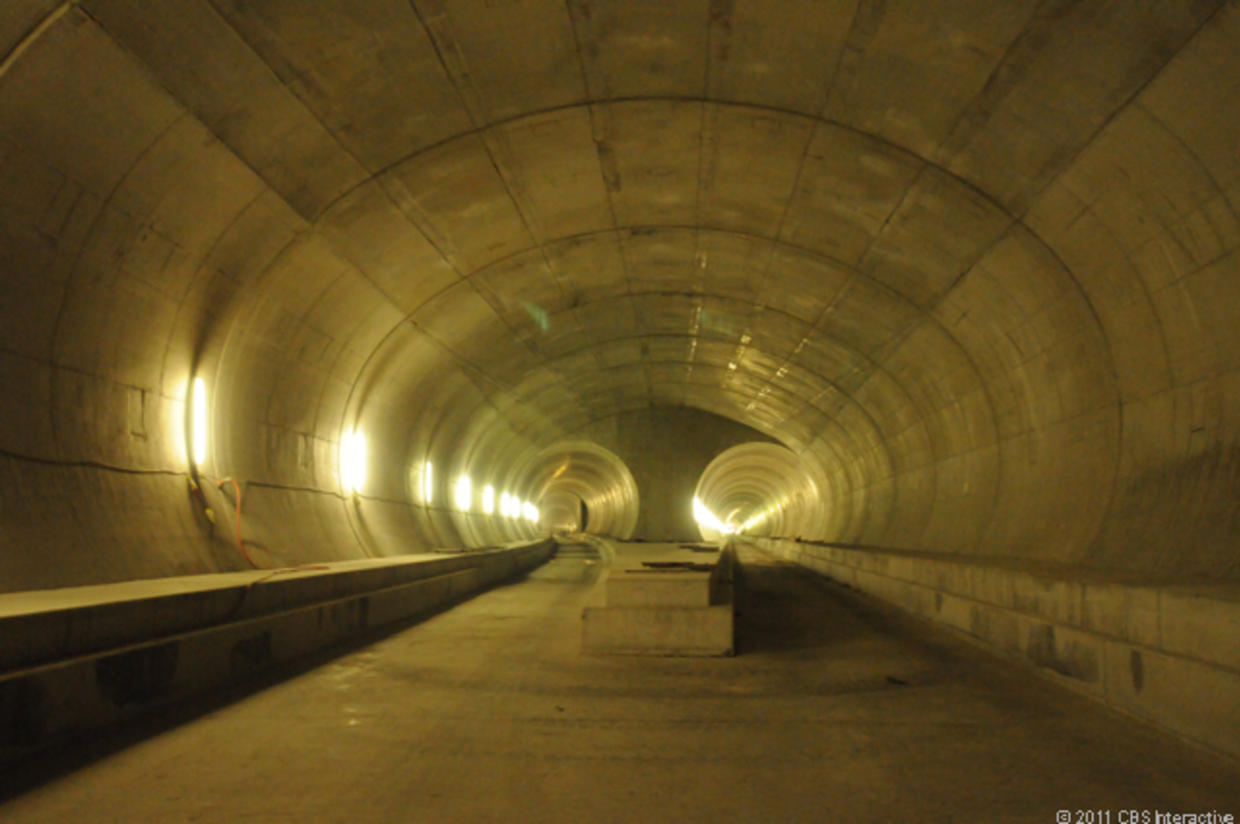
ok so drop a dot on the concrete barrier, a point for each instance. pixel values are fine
(87, 665)
(673, 612)
(1169, 655)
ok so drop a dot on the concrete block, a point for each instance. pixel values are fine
(879, 586)
(905, 568)
(921, 600)
(989, 585)
(822, 566)
(1054, 600)
(1121, 611)
(1200, 625)
(1190, 698)
(664, 611)
(959, 579)
(1063, 651)
(954, 611)
(664, 631)
(634, 588)
(999, 628)
(873, 562)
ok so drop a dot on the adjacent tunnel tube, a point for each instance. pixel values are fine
(576, 478)
(758, 489)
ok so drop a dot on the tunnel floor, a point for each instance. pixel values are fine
(835, 709)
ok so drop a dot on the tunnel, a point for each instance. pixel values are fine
(932, 308)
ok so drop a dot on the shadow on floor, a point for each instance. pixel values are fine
(854, 643)
(780, 606)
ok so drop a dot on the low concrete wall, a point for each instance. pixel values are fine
(127, 657)
(52, 625)
(682, 612)
(1169, 655)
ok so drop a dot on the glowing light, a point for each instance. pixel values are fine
(488, 499)
(530, 512)
(428, 482)
(708, 519)
(463, 493)
(510, 505)
(198, 421)
(353, 462)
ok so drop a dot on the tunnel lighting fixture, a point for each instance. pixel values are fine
(708, 519)
(428, 482)
(530, 512)
(198, 421)
(353, 462)
(464, 494)
(488, 499)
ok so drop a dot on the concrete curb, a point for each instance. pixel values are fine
(42, 704)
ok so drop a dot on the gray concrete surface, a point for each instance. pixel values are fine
(1167, 654)
(974, 265)
(835, 710)
(667, 453)
(67, 673)
(49, 625)
(648, 605)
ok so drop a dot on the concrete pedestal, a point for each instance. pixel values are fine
(663, 599)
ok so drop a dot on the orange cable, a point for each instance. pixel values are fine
(240, 543)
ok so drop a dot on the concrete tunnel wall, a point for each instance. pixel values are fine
(995, 313)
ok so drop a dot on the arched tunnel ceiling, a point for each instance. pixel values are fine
(974, 262)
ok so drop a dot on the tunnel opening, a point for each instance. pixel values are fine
(584, 486)
(757, 489)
